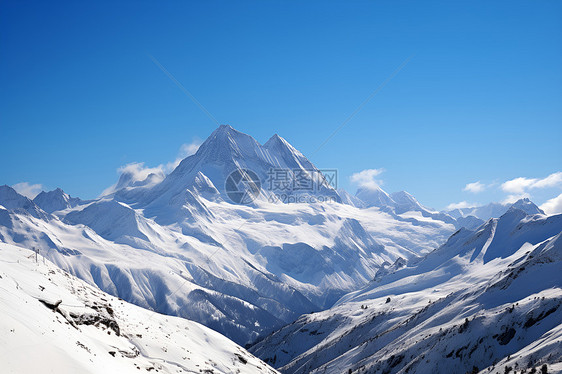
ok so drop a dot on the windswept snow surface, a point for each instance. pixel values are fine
(180, 246)
(52, 322)
(487, 299)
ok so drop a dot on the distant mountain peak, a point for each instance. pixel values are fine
(277, 140)
(403, 197)
(227, 143)
(12, 200)
(375, 196)
(527, 206)
(55, 200)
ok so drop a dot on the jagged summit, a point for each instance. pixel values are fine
(527, 206)
(283, 152)
(55, 200)
(403, 197)
(227, 150)
(226, 143)
(375, 196)
(277, 141)
(405, 201)
(12, 200)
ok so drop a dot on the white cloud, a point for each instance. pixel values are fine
(553, 180)
(366, 178)
(460, 205)
(137, 171)
(190, 148)
(475, 187)
(186, 150)
(517, 185)
(510, 199)
(28, 190)
(133, 173)
(521, 185)
(553, 206)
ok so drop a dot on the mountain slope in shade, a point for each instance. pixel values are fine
(54, 322)
(487, 299)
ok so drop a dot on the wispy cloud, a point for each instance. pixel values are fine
(475, 187)
(510, 199)
(136, 172)
(460, 205)
(367, 178)
(521, 185)
(553, 206)
(28, 190)
(186, 150)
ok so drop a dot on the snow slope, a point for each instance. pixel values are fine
(487, 299)
(53, 322)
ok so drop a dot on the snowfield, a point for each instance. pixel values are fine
(53, 322)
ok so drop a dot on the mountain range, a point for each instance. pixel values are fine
(180, 246)
(258, 244)
(487, 300)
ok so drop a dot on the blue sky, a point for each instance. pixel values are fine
(479, 100)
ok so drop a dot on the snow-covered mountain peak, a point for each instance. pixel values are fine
(527, 206)
(227, 144)
(12, 200)
(226, 151)
(55, 200)
(283, 154)
(374, 196)
(403, 197)
(278, 144)
(405, 201)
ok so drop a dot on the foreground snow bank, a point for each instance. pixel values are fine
(52, 322)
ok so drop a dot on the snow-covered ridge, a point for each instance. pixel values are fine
(56, 200)
(54, 322)
(487, 299)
